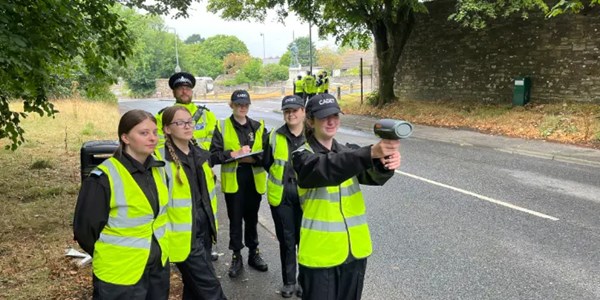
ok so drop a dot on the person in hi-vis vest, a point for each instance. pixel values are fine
(334, 235)
(243, 178)
(182, 84)
(205, 121)
(282, 189)
(192, 205)
(121, 216)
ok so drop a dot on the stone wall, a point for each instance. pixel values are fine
(445, 61)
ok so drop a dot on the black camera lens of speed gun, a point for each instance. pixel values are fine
(390, 129)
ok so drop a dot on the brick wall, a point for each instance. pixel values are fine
(445, 61)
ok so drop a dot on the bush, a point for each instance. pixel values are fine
(373, 98)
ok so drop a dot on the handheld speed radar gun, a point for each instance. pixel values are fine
(390, 129)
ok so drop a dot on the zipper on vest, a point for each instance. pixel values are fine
(345, 224)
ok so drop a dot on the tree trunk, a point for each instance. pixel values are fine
(390, 39)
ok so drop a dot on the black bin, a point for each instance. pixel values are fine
(94, 153)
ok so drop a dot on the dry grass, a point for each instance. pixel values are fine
(571, 123)
(39, 183)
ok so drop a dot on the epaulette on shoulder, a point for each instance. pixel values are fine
(96, 172)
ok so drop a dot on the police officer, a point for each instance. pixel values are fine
(334, 235)
(299, 87)
(182, 84)
(324, 88)
(192, 187)
(243, 179)
(120, 217)
(282, 189)
(310, 86)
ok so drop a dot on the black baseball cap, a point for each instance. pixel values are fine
(292, 101)
(322, 105)
(182, 78)
(240, 97)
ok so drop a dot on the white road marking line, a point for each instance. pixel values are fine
(498, 202)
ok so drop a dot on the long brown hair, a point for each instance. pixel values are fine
(129, 120)
(167, 117)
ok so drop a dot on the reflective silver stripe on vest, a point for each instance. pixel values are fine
(176, 227)
(122, 220)
(323, 194)
(228, 168)
(333, 226)
(125, 241)
(160, 232)
(275, 180)
(179, 203)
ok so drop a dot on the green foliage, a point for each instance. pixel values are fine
(220, 45)
(304, 51)
(373, 98)
(194, 39)
(285, 59)
(250, 72)
(41, 164)
(39, 39)
(274, 72)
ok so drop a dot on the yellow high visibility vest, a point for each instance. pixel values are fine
(203, 132)
(280, 157)
(179, 211)
(122, 250)
(334, 224)
(180, 208)
(212, 193)
(299, 86)
(231, 142)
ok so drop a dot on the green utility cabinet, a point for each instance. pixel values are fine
(522, 91)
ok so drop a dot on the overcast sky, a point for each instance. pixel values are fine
(276, 35)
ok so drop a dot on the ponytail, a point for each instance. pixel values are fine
(171, 149)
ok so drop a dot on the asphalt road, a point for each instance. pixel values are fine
(456, 222)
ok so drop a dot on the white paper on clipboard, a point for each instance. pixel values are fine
(244, 155)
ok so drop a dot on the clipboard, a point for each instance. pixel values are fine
(243, 155)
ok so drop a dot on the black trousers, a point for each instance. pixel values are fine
(199, 278)
(343, 282)
(154, 285)
(287, 218)
(242, 210)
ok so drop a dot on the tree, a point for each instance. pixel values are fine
(328, 59)
(285, 59)
(44, 41)
(194, 39)
(387, 23)
(233, 62)
(274, 72)
(153, 52)
(250, 72)
(302, 43)
(221, 45)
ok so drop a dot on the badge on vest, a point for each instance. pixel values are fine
(251, 136)
(199, 126)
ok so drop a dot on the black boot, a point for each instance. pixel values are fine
(237, 265)
(299, 291)
(214, 256)
(288, 290)
(255, 261)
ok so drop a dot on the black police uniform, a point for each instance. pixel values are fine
(91, 215)
(199, 278)
(288, 215)
(245, 203)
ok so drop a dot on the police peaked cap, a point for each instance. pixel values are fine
(182, 78)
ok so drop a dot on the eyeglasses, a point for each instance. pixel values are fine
(190, 123)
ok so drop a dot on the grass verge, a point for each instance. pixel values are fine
(40, 183)
(570, 123)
